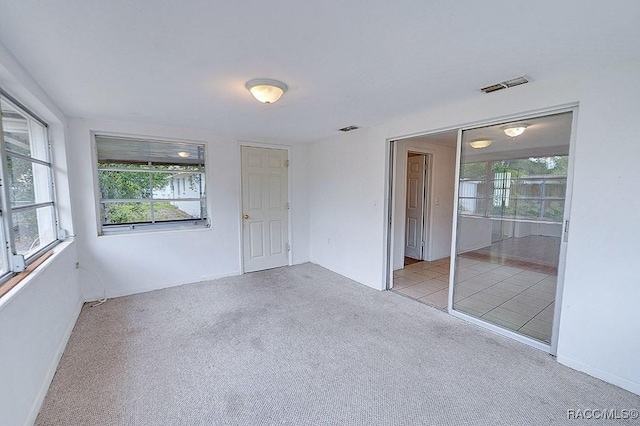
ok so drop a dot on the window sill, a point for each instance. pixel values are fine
(151, 229)
(15, 284)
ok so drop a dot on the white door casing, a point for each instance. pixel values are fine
(264, 208)
(415, 207)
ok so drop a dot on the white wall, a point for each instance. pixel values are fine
(438, 231)
(600, 321)
(524, 229)
(347, 182)
(476, 232)
(600, 326)
(473, 233)
(36, 320)
(299, 164)
(117, 265)
(37, 316)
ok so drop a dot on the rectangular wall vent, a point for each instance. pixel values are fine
(349, 128)
(505, 84)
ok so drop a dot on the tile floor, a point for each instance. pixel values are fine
(425, 281)
(515, 298)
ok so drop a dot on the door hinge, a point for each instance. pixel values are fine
(288, 206)
(288, 247)
(286, 163)
(565, 237)
(422, 243)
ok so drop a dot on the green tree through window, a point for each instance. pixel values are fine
(149, 182)
(526, 188)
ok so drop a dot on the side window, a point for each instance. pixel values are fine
(28, 212)
(148, 184)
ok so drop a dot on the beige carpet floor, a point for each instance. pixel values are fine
(303, 346)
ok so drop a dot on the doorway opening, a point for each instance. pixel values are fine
(424, 181)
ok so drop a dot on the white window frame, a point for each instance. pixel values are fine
(490, 190)
(17, 262)
(128, 228)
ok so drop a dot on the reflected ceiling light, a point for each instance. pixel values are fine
(514, 130)
(265, 90)
(480, 143)
(184, 154)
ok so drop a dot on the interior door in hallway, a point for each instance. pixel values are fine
(415, 206)
(264, 208)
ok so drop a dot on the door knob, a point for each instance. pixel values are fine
(245, 216)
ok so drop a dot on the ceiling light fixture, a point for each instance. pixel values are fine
(480, 143)
(184, 154)
(265, 90)
(514, 130)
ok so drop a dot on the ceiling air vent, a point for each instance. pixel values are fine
(493, 88)
(349, 128)
(505, 84)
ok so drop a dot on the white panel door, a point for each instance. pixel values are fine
(415, 207)
(264, 208)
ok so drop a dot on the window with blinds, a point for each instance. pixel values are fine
(147, 184)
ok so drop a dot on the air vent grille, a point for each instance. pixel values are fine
(349, 128)
(505, 84)
(493, 88)
(516, 81)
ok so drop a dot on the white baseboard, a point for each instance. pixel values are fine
(51, 371)
(152, 287)
(600, 374)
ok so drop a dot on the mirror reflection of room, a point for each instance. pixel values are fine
(511, 203)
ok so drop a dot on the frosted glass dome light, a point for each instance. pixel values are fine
(514, 130)
(265, 90)
(480, 143)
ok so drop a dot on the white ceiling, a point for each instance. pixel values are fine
(544, 137)
(185, 62)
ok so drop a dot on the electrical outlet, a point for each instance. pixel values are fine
(77, 265)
